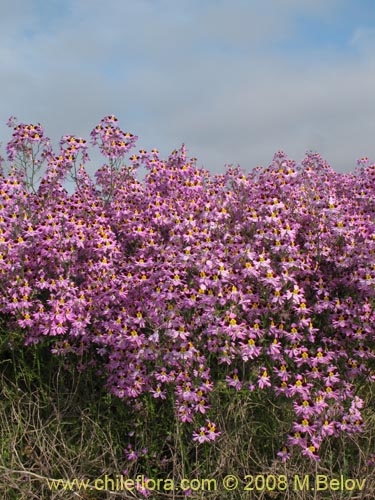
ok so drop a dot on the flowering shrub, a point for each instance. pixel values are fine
(264, 282)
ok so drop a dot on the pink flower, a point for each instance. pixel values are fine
(284, 454)
(328, 428)
(264, 379)
(201, 436)
(233, 381)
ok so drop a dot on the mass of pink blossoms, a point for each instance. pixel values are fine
(264, 282)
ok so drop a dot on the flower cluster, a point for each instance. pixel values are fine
(113, 142)
(28, 149)
(264, 282)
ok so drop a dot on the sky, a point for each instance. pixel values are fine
(234, 80)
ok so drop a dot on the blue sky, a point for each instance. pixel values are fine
(235, 80)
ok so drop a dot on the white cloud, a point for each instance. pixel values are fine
(190, 71)
(363, 40)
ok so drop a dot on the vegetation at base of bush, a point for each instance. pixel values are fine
(58, 423)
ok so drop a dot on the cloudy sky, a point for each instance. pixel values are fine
(235, 80)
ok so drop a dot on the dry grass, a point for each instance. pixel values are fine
(49, 436)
